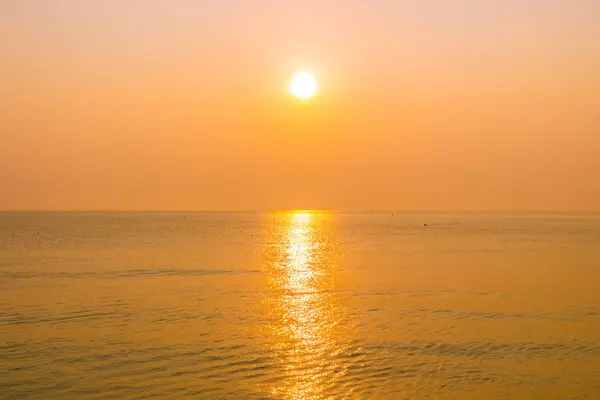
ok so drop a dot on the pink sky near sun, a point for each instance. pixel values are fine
(438, 105)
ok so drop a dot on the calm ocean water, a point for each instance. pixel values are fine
(299, 306)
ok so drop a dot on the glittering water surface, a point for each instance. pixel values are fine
(299, 305)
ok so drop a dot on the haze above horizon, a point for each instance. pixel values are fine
(148, 105)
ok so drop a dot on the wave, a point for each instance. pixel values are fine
(127, 273)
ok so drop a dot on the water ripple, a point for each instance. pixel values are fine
(129, 273)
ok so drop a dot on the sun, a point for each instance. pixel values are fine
(303, 85)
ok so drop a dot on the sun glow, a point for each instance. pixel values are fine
(303, 85)
(306, 320)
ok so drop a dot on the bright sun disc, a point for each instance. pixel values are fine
(303, 85)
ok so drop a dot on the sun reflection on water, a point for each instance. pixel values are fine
(306, 332)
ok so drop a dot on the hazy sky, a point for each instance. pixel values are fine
(424, 105)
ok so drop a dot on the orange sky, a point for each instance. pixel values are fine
(438, 105)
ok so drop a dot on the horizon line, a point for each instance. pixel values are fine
(322, 211)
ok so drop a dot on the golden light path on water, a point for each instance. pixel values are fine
(306, 330)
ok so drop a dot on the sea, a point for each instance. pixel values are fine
(299, 305)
